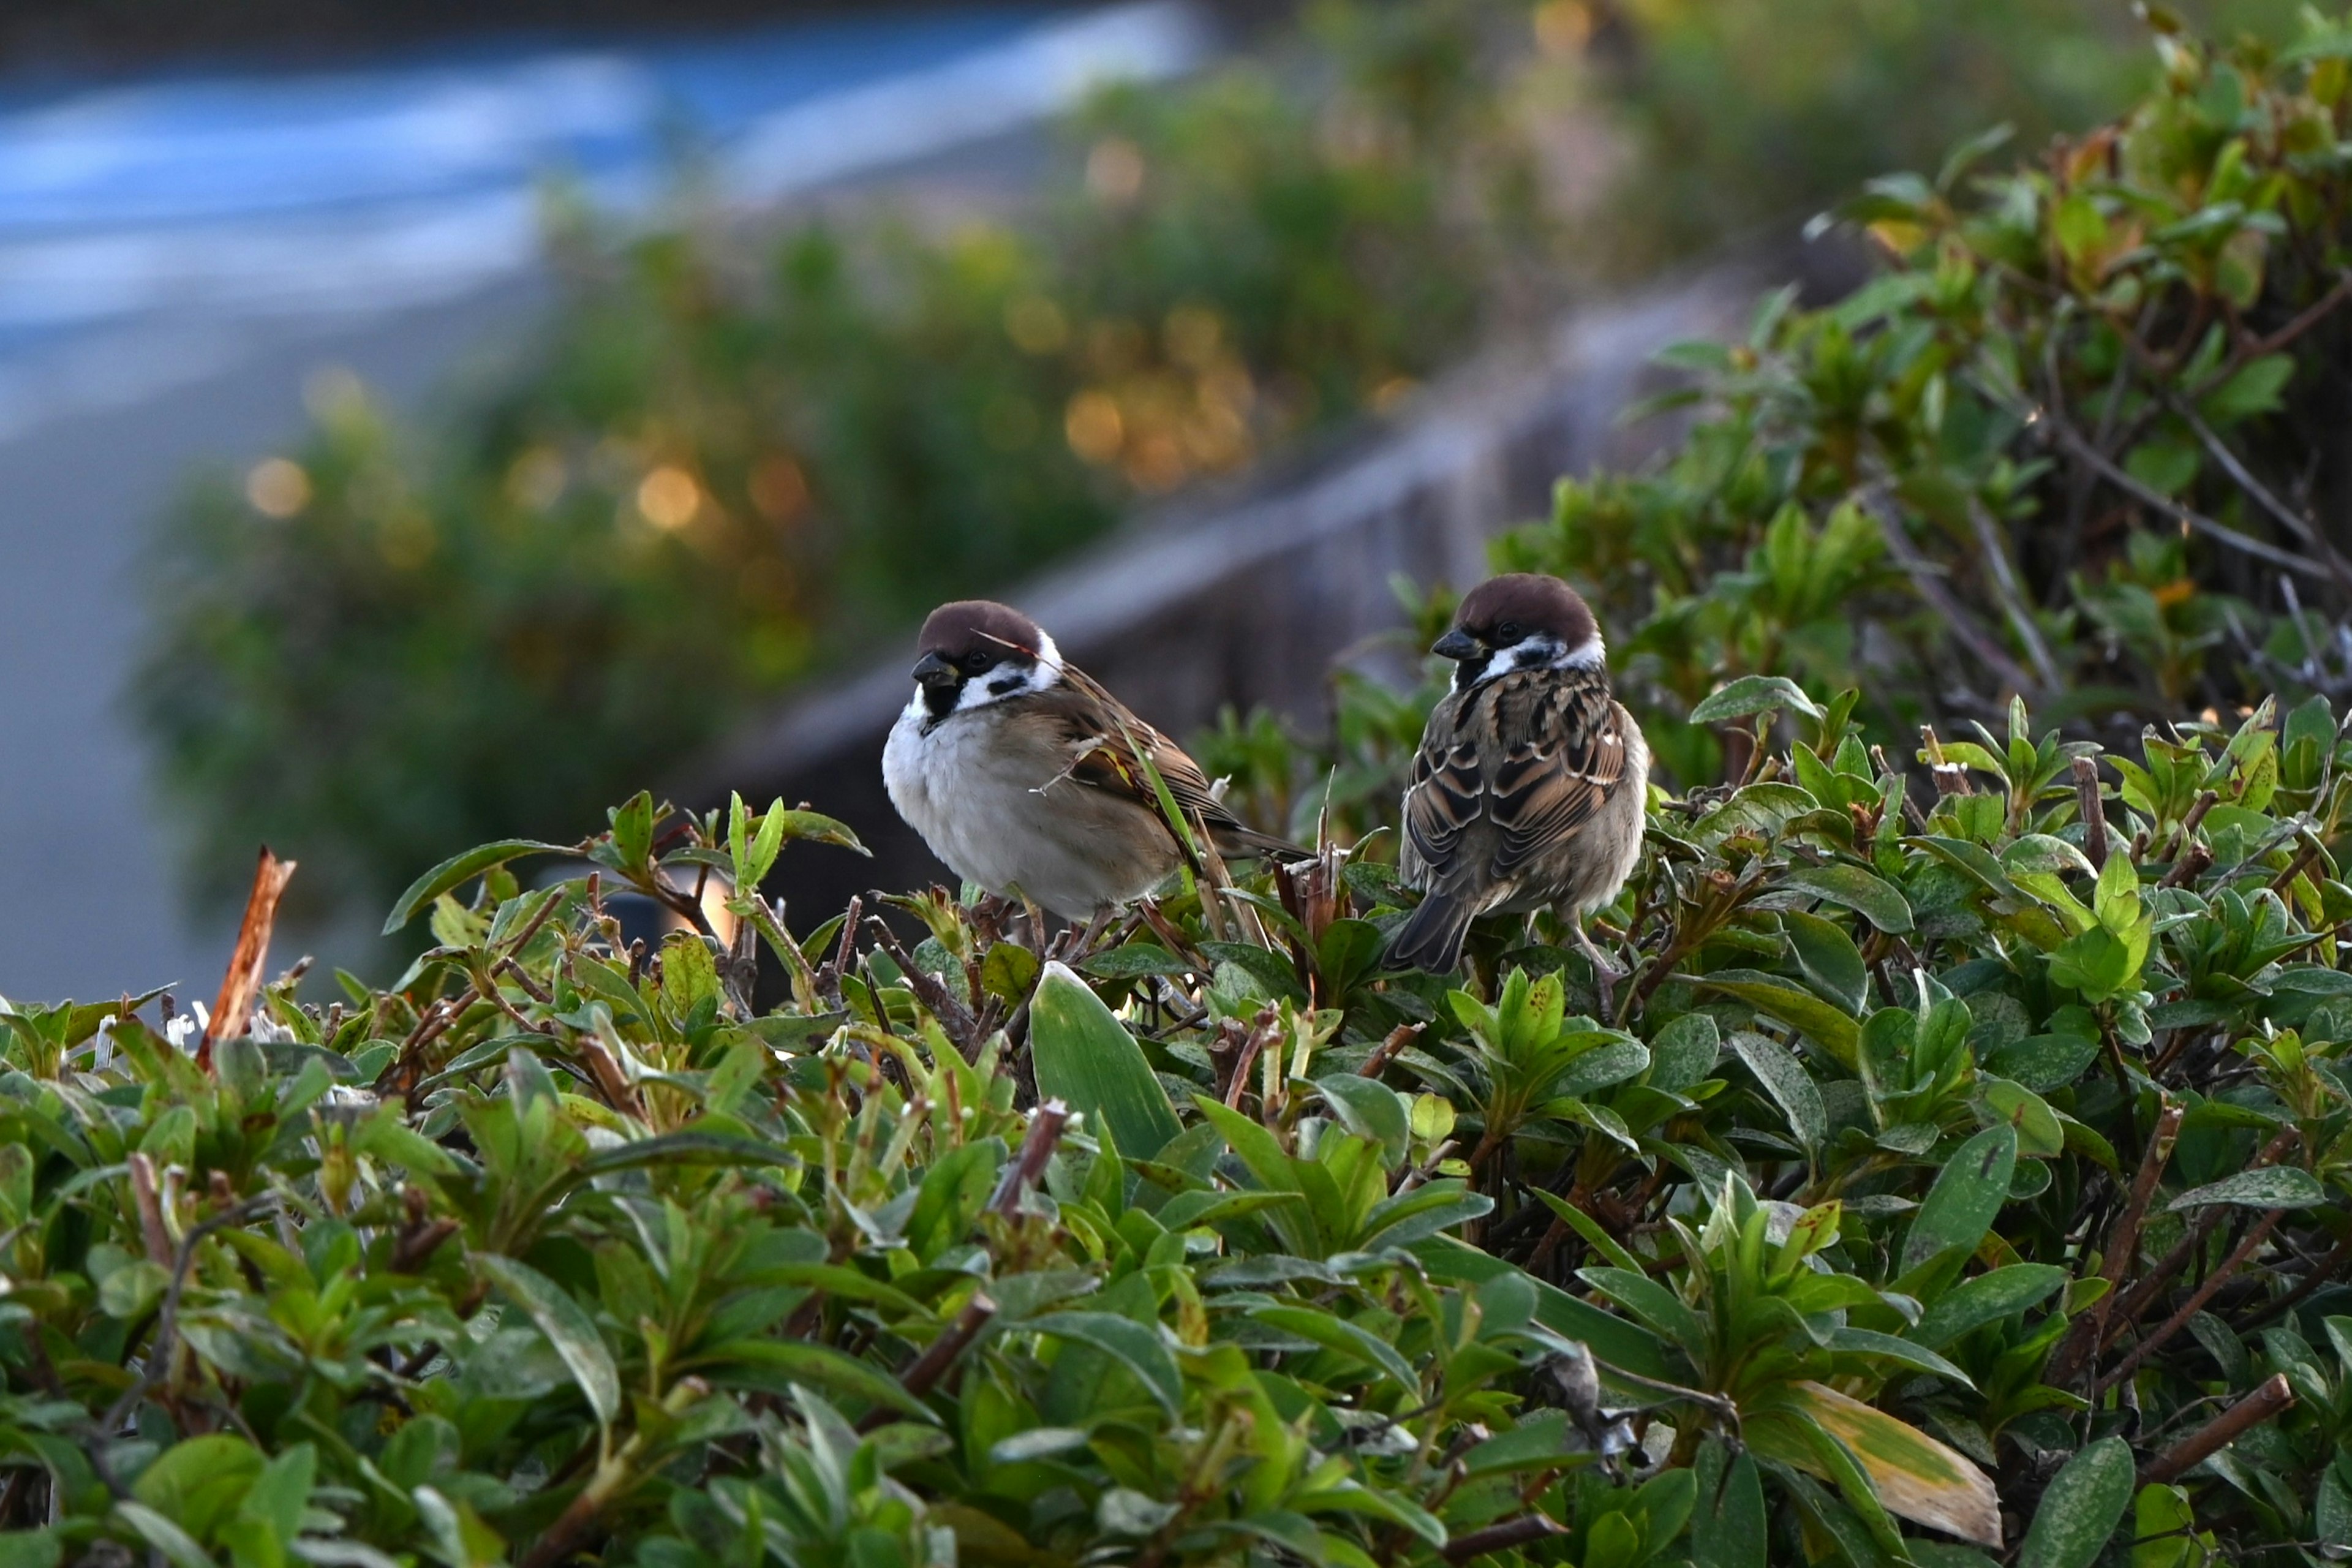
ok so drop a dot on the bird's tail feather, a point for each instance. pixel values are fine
(1240, 843)
(1430, 937)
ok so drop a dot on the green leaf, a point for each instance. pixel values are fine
(1132, 962)
(1728, 1528)
(775, 1366)
(1834, 1031)
(1336, 1333)
(1784, 1077)
(2079, 1512)
(1612, 1341)
(1082, 1055)
(2270, 1187)
(1869, 1342)
(1139, 1349)
(1828, 958)
(1751, 694)
(1869, 895)
(1966, 1199)
(2038, 1134)
(1654, 1304)
(459, 870)
(30, 1549)
(1987, 1299)
(173, 1543)
(2251, 391)
(567, 1327)
(1685, 1052)
(814, 828)
(1369, 1109)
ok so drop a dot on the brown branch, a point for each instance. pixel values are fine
(2255, 1236)
(1386, 1051)
(1262, 1030)
(241, 984)
(2193, 864)
(2088, 1331)
(1519, 1532)
(1928, 581)
(2148, 496)
(149, 1201)
(2135, 1300)
(2321, 1272)
(1028, 1167)
(926, 1370)
(2314, 313)
(2247, 1414)
(962, 1028)
(2093, 810)
(2245, 480)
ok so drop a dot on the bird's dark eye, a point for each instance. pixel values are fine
(1507, 633)
(976, 661)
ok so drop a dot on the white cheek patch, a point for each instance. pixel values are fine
(1007, 681)
(1545, 653)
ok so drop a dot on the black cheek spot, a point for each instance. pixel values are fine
(1005, 685)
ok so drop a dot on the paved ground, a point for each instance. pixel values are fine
(176, 260)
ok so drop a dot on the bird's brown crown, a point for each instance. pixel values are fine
(1504, 610)
(967, 627)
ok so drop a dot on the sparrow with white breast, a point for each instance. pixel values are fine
(1529, 790)
(1022, 773)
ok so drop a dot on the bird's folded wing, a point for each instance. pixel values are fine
(1563, 755)
(1104, 740)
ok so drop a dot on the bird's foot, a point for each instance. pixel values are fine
(1605, 974)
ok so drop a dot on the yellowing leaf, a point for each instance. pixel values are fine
(1916, 1477)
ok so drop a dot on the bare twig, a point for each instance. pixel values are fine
(1028, 1167)
(2013, 601)
(1928, 581)
(1519, 1532)
(2165, 505)
(1386, 1051)
(241, 985)
(925, 1371)
(945, 1005)
(2093, 811)
(2089, 1331)
(2319, 1274)
(2255, 1236)
(2242, 1417)
(2245, 480)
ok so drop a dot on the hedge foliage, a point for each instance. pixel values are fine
(1943, 1161)
(1959, 1167)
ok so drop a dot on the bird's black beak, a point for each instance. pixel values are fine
(935, 670)
(1457, 644)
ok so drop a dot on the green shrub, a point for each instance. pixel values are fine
(1199, 1238)
(1746, 114)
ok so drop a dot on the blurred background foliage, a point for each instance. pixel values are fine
(733, 458)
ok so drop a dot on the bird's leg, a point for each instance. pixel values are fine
(1605, 975)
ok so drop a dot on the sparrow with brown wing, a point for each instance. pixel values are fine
(1026, 776)
(1529, 790)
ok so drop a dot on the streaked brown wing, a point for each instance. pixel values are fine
(1103, 737)
(1448, 792)
(1565, 754)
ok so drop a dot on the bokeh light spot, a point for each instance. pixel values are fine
(277, 487)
